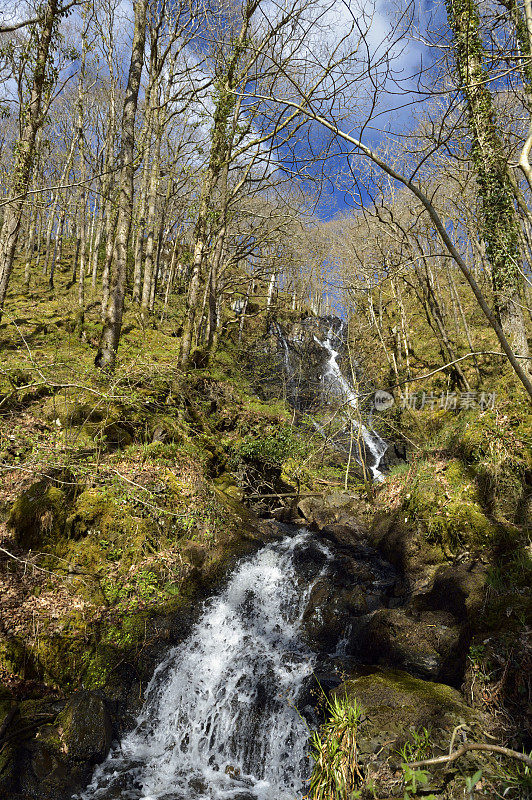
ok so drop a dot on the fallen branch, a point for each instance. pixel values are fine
(284, 494)
(488, 748)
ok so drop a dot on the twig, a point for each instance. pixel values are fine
(488, 748)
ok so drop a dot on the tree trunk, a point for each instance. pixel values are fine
(25, 151)
(30, 247)
(219, 156)
(497, 197)
(150, 224)
(112, 326)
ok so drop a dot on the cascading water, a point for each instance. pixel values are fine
(334, 378)
(219, 721)
(313, 374)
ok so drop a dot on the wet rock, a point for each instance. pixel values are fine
(353, 585)
(309, 560)
(326, 616)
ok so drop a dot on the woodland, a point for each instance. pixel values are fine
(266, 263)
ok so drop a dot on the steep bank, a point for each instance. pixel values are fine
(455, 523)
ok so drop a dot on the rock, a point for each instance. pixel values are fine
(393, 704)
(338, 500)
(60, 759)
(325, 617)
(308, 560)
(306, 507)
(427, 645)
(352, 585)
(195, 553)
(333, 516)
(341, 534)
(85, 727)
(38, 516)
(457, 589)
(8, 770)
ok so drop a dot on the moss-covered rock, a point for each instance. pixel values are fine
(58, 760)
(90, 506)
(395, 708)
(38, 516)
(85, 727)
(426, 644)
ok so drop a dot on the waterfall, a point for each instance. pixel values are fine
(330, 383)
(220, 720)
(286, 353)
(334, 378)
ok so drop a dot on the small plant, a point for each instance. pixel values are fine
(336, 774)
(471, 781)
(272, 447)
(515, 779)
(419, 748)
(415, 779)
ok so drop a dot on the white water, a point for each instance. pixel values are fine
(219, 721)
(333, 376)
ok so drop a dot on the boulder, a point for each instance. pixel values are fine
(38, 516)
(334, 516)
(427, 644)
(352, 584)
(455, 588)
(85, 727)
(393, 706)
(60, 759)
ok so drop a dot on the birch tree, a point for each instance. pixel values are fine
(112, 324)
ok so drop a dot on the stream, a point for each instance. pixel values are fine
(220, 719)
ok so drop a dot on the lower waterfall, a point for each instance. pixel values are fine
(220, 718)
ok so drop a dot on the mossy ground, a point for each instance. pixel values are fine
(111, 504)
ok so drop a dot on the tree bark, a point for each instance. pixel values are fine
(219, 154)
(25, 150)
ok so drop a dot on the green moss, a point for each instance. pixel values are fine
(38, 516)
(460, 481)
(462, 522)
(90, 505)
(397, 689)
(16, 657)
(447, 507)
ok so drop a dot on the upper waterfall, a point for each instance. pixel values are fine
(311, 351)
